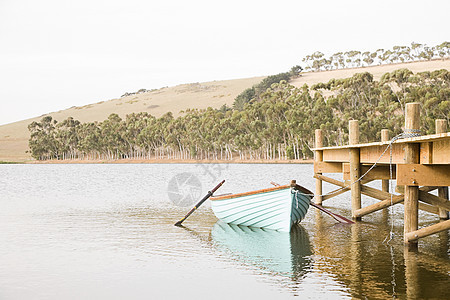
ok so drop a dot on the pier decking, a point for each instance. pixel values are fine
(420, 164)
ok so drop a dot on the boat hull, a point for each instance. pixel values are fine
(276, 208)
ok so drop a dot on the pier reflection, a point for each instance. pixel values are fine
(360, 259)
(287, 254)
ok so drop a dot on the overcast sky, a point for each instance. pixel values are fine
(55, 54)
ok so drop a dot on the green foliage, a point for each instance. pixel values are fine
(224, 108)
(295, 71)
(255, 92)
(243, 98)
(279, 124)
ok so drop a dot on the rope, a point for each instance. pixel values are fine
(391, 232)
(391, 207)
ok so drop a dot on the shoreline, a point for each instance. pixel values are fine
(169, 161)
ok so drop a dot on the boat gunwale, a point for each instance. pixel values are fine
(262, 191)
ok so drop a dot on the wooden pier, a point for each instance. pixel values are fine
(420, 164)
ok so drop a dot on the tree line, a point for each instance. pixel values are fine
(278, 125)
(317, 61)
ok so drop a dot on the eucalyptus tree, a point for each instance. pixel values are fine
(112, 139)
(295, 71)
(132, 126)
(427, 53)
(243, 98)
(317, 58)
(416, 50)
(353, 58)
(173, 133)
(147, 138)
(225, 137)
(42, 142)
(337, 60)
(379, 55)
(308, 59)
(367, 58)
(161, 133)
(444, 49)
(67, 139)
(432, 90)
(90, 141)
(400, 78)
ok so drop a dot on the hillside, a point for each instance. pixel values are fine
(14, 136)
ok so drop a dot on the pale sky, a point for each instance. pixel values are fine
(55, 54)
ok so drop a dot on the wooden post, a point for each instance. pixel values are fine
(385, 138)
(441, 127)
(318, 158)
(385, 182)
(412, 155)
(355, 169)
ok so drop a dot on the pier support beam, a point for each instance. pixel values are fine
(385, 138)
(441, 127)
(412, 156)
(385, 182)
(355, 168)
(318, 157)
(426, 231)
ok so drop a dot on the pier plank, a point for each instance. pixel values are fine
(327, 167)
(423, 175)
(379, 172)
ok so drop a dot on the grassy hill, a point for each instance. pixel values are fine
(14, 136)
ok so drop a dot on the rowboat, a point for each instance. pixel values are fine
(283, 253)
(276, 208)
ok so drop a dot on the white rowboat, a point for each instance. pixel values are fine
(276, 208)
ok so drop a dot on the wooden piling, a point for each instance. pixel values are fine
(412, 156)
(385, 138)
(441, 127)
(318, 157)
(355, 169)
(426, 231)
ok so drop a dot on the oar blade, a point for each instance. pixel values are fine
(337, 217)
(179, 223)
(343, 219)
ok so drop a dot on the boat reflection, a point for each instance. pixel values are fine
(283, 253)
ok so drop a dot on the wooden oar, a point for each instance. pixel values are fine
(200, 203)
(337, 217)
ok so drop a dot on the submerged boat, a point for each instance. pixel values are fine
(276, 208)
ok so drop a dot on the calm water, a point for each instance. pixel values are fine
(106, 232)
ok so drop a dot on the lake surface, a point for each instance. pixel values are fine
(106, 232)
